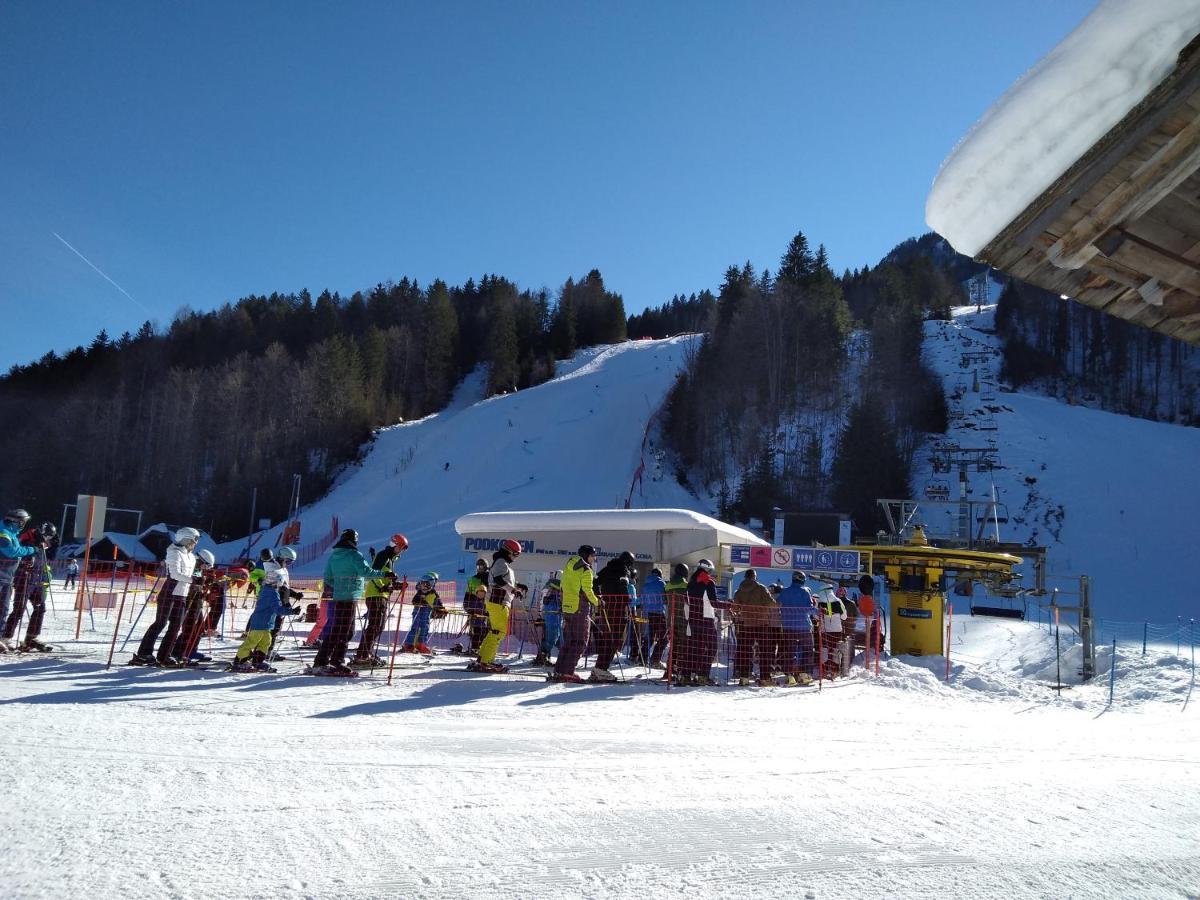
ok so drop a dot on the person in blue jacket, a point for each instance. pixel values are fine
(797, 611)
(551, 619)
(346, 574)
(654, 608)
(12, 551)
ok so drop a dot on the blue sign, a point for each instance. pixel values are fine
(816, 559)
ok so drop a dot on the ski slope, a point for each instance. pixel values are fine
(138, 783)
(1111, 496)
(574, 442)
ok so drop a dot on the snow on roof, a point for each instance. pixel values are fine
(130, 546)
(651, 535)
(1057, 111)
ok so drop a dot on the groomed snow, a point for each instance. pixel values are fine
(1046, 121)
(140, 783)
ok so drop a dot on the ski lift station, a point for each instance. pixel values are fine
(653, 536)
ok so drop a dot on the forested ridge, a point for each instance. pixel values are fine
(807, 390)
(184, 423)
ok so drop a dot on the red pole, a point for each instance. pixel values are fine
(396, 633)
(949, 626)
(112, 648)
(820, 653)
(87, 557)
(671, 600)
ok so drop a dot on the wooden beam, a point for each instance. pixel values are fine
(1153, 180)
(1152, 262)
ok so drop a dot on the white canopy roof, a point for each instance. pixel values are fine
(550, 537)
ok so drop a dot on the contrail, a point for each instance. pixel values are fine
(101, 274)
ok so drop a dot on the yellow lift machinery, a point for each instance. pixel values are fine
(917, 573)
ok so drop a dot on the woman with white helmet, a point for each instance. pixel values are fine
(186, 644)
(181, 564)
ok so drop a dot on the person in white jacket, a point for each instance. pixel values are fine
(172, 598)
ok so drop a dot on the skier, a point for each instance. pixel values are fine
(504, 588)
(551, 619)
(258, 570)
(796, 613)
(614, 581)
(29, 585)
(677, 612)
(72, 574)
(189, 632)
(426, 605)
(345, 573)
(753, 611)
(866, 609)
(654, 608)
(273, 595)
(834, 659)
(12, 551)
(172, 597)
(475, 605)
(702, 606)
(378, 591)
(578, 603)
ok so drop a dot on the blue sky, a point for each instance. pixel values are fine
(199, 152)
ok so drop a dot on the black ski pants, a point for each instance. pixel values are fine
(189, 632)
(613, 618)
(169, 615)
(658, 636)
(341, 629)
(376, 615)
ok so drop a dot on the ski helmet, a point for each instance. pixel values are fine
(400, 542)
(705, 565)
(285, 554)
(481, 563)
(431, 577)
(586, 550)
(680, 571)
(49, 532)
(17, 517)
(206, 557)
(265, 554)
(656, 571)
(626, 558)
(751, 575)
(556, 575)
(183, 535)
(799, 577)
(513, 547)
(348, 536)
(866, 585)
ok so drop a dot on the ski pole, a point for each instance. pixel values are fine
(138, 617)
(396, 633)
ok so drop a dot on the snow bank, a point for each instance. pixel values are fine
(1047, 120)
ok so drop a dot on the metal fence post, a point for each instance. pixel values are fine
(1112, 675)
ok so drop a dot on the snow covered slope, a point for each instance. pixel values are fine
(1113, 497)
(572, 443)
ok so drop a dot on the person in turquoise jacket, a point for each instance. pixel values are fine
(12, 551)
(346, 574)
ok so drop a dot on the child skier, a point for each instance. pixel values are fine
(273, 595)
(654, 608)
(551, 619)
(504, 589)
(475, 604)
(426, 605)
(378, 591)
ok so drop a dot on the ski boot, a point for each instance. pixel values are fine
(487, 668)
(541, 660)
(35, 646)
(601, 676)
(424, 648)
(139, 660)
(241, 665)
(342, 671)
(7, 646)
(569, 678)
(743, 682)
(262, 667)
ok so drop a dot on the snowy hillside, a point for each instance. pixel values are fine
(1111, 496)
(572, 443)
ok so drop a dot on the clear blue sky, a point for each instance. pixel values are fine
(199, 152)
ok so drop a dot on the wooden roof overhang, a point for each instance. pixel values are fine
(1120, 230)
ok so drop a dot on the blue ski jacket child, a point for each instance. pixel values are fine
(654, 595)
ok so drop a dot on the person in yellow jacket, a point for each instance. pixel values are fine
(504, 587)
(579, 600)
